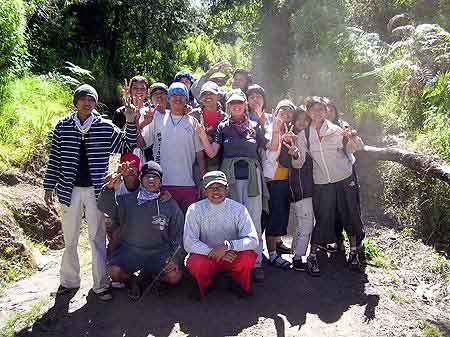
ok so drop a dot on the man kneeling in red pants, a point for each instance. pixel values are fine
(220, 236)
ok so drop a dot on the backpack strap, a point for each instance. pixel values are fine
(308, 144)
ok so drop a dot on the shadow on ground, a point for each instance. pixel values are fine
(285, 293)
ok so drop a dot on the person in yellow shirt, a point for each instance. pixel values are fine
(276, 171)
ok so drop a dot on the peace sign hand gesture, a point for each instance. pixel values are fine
(126, 92)
(292, 150)
(148, 117)
(199, 128)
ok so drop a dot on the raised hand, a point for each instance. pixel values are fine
(187, 109)
(112, 181)
(129, 168)
(148, 117)
(219, 66)
(126, 94)
(277, 124)
(289, 138)
(349, 132)
(199, 128)
(292, 150)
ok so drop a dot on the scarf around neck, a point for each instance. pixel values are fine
(85, 127)
(144, 196)
(242, 126)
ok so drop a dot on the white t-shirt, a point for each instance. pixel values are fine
(175, 144)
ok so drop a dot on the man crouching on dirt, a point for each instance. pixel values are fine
(148, 229)
(220, 236)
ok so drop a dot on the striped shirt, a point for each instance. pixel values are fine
(102, 139)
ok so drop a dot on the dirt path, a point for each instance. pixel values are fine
(340, 303)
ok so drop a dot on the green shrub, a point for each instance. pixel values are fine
(12, 37)
(418, 202)
(31, 107)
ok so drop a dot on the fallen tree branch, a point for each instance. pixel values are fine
(417, 162)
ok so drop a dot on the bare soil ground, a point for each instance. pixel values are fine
(339, 303)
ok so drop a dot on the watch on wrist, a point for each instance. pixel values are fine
(228, 245)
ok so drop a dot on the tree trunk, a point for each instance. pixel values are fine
(419, 163)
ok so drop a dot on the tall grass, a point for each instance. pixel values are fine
(30, 107)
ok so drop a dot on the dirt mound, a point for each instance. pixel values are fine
(28, 211)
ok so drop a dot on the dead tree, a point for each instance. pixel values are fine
(417, 162)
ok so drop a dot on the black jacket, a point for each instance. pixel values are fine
(301, 181)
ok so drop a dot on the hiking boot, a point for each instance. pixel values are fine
(353, 261)
(283, 249)
(313, 266)
(257, 274)
(299, 265)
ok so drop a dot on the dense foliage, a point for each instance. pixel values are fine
(385, 63)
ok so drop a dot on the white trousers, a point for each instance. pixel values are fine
(304, 216)
(254, 207)
(83, 198)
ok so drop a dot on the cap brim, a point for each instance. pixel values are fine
(210, 91)
(218, 181)
(158, 88)
(235, 98)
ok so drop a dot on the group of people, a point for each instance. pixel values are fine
(204, 174)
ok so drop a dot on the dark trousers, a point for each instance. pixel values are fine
(333, 203)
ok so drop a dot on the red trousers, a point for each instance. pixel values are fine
(185, 196)
(204, 268)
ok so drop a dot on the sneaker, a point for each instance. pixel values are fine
(336, 247)
(117, 285)
(353, 261)
(313, 266)
(105, 295)
(257, 274)
(283, 249)
(331, 247)
(299, 265)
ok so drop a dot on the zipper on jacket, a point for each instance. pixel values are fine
(300, 184)
(323, 160)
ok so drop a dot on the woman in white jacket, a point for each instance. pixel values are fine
(335, 192)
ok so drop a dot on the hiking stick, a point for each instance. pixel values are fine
(156, 279)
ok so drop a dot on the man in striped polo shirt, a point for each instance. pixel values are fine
(82, 143)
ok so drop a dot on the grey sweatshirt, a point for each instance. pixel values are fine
(147, 229)
(209, 225)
